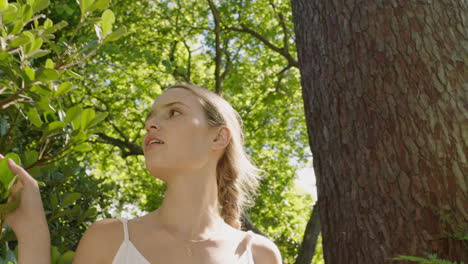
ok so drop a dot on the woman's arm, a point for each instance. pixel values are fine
(34, 247)
(265, 251)
(28, 221)
(99, 243)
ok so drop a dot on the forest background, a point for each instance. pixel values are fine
(88, 73)
(382, 92)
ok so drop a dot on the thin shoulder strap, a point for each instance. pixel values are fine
(250, 236)
(125, 228)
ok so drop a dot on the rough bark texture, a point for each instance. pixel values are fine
(385, 94)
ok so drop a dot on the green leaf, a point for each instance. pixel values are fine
(86, 117)
(30, 36)
(53, 201)
(116, 34)
(55, 126)
(30, 73)
(70, 198)
(40, 5)
(98, 119)
(63, 88)
(66, 258)
(20, 41)
(108, 19)
(17, 27)
(35, 45)
(74, 74)
(49, 64)
(7, 207)
(84, 6)
(6, 176)
(90, 212)
(76, 210)
(55, 27)
(44, 74)
(83, 147)
(27, 12)
(5, 57)
(10, 13)
(76, 123)
(33, 116)
(51, 44)
(44, 105)
(38, 53)
(78, 136)
(55, 254)
(48, 23)
(68, 10)
(73, 113)
(100, 4)
(30, 157)
(3, 4)
(41, 90)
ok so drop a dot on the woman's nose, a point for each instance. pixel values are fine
(151, 123)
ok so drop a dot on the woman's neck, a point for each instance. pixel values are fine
(190, 209)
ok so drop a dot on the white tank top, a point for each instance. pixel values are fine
(129, 254)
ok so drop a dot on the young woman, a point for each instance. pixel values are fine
(194, 143)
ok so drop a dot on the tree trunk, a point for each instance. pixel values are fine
(309, 242)
(386, 114)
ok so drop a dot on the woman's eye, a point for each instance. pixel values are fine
(172, 112)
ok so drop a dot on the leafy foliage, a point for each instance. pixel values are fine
(80, 120)
(40, 123)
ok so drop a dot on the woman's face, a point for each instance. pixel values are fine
(183, 128)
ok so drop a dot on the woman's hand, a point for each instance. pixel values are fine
(30, 215)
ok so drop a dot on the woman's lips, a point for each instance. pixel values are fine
(154, 145)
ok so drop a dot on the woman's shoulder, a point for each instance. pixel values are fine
(107, 228)
(264, 250)
(100, 242)
(110, 229)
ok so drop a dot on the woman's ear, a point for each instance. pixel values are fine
(222, 138)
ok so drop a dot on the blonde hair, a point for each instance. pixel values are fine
(236, 176)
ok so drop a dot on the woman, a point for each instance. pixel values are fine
(194, 143)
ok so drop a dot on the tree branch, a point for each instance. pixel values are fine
(218, 50)
(283, 25)
(282, 51)
(127, 148)
(189, 61)
(118, 130)
(228, 66)
(7, 101)
(309, 242)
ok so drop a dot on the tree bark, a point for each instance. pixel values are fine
(383, 87)
(309, 242)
